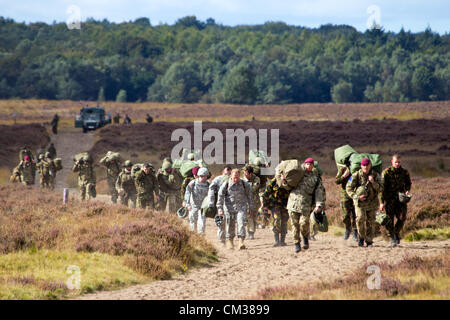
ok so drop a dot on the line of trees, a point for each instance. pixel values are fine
(195, 61)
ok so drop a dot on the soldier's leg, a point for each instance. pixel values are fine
(193, 219)
(82, 191)
(230, 232)
(401, 218)
(251, 225)
(361, 222)
(346, 217)
(295, 220)
(371, 224)
(124, 200)
(390, 212)
(112, 189)
(171, 206)
(201, 222)
(304, 223)
(276, 224)
(240, 220)
(132, 201)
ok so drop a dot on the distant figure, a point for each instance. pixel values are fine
(127, 119)
(117, 118)
(52, 151)
(54, 124)
(149, 118)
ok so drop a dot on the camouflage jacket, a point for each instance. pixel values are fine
(169, 182)
(196, 192)
(146, 183)
(255, 184)
(86, 173)
(235, 197)
(184, 185)
(112, 168)
(46, 167)
(308, 193)
(26, 171)
(274, 196)
(125, 182)
(394, 181)
(359, 179)
(214, 188)
(342, 182)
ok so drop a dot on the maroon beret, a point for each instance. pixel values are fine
(195, 170)
(309, 160)
(365, 161)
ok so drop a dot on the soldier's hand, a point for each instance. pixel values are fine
(362, 198)
(220, 212)
(157, 198)
(184, 204)
(381, 207)
(189, 207)
(317, 209)
(371, 179)
(346, 173)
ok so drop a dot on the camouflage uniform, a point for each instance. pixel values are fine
(276, 199)
(47, 172)
(314, 226)
(169, 188)
(112, 173)
(126, 188)
(234, 199)
(86, 179)
(213, 192)
(365, 210)
(195, 193)
(146, 184)
(348, 209)
(184, 185)
(301, 202)
(26, 172)
(395, 181)
(254, 183)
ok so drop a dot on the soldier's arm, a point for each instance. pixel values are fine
(188, 193)
(156, 184)
(352, 184)
(407, 181)
(339, 179)
(76, 168)
(221, 197)
(384, 180)
(248, 189)
(118, 182)
(103, 161)
(320, 195)
(377, 183)
(212, 192)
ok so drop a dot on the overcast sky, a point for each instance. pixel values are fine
(413, 15)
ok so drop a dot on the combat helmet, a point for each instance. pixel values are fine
(218, 220)
(127, 163)
(361, 191)
(191, 156)
(181, 212)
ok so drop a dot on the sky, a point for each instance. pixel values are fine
(392, 15)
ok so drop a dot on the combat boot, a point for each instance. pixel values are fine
(241, 244)
(282, 240)
(361, 242)
(305, 243)
(277, 239)
(230, 244)
(346, 234)
(393, 242)
(355, 235)
(297, 247)
(251, 236)
(369, 244)
(397, 238)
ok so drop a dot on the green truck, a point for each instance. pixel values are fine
(92, 118)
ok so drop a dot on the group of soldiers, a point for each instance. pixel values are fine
(46, 165)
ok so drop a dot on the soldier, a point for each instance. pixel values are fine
(40, 151)
(263, 220)
(26, 171)
(112, 173)
(86, 177)
(301, 201)
(314, 224)
(187, 180)
(116, 118)
(127, 119)
(395, 180)
(275, 199)
(169, 181)
(196, 192)
(254, 182)
(48, 171)
(54, 124)
(125, 186)
(149, 118)
(348, 209)
(212, 196)
(147, 188)
(52, 150)
(234, 199)
(363, 187)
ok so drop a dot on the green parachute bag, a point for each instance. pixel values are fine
(381, 218)
(135, 169)
(187, 166)
(254, 154)
(208, 212)
(322, 220)
(375, 159)
(58, 164)
(342, 155)
(83, 156)
(291, 171)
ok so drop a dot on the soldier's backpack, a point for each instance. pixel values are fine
(187, 166)
(342, 155)
(25, 152)
(83, 156)
(135, 169)
(291, 171)
(110, 156)
(58, 164)
(254, 154)
(375, 159)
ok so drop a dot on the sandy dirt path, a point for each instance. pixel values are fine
(240, 274)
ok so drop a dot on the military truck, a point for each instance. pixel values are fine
(91, 118)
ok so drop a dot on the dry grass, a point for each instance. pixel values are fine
(412, 278)
(154, 245)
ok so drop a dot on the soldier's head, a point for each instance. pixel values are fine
(226, 170)
(366, 165)
(128, 164)
(202, 174)
(235, 175)
(146, 168)
(396, 162)
(309, 164)
(167, 166)
(26, 158)
(248, 171)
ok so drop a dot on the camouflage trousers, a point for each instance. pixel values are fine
(348, 214)
(169, 202)
(300, 223)
(45, 181)
(365, 223)
(145, 201)
(86, 191)
(197, 220)
(127, 198)
(280, 220)
(232, 219)
(112, 188)
(252, 222)
(395, 209)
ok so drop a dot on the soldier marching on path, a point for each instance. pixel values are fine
(112, 165)
(86, 177)
(147, 189)
(125, 186)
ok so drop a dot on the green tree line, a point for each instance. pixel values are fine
(196, 61)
